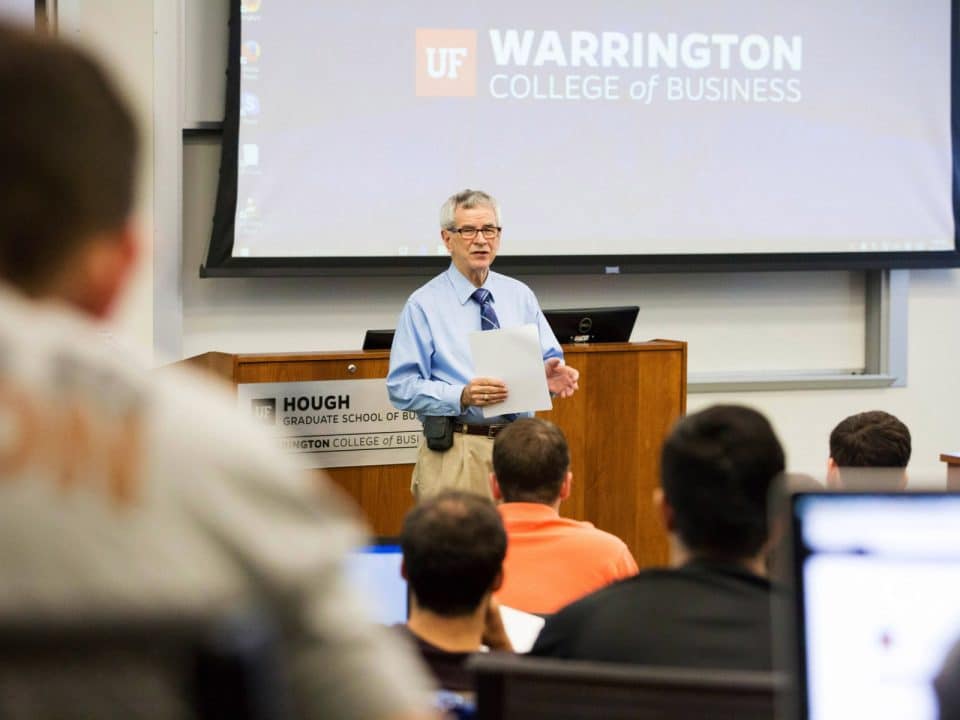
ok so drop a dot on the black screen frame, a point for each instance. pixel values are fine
(220, 262)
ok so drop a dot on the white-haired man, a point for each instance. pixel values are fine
(431, 368)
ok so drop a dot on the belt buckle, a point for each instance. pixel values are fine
(492, 431)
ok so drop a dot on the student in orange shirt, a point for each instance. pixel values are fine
(551, 560)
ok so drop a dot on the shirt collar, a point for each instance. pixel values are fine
(725, 567)
(463, 287)
(531, 512)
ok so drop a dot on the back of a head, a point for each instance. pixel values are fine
(453, 549)
(946, 684)
(530, 460)
(717, 469)
(67, 155)
(873, 439)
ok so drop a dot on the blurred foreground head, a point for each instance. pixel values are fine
(717, 470)
(68, 159)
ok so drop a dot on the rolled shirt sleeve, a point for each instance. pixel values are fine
(410, 383)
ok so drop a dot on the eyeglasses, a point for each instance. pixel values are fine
(468, 232)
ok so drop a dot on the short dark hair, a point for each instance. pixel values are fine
(946, 684)
(530, 460)
(453, 549)
(68, 153)
(717, 469)
(871, 439)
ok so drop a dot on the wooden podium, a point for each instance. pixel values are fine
(952, 459)
(630, 394)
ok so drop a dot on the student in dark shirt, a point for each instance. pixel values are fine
(711, 608)
(947, 685)
(869, 451)
(453, 549)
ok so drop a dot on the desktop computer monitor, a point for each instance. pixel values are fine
(377, 340)
(583, 325)
(876, 581)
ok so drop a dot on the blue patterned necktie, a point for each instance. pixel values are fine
(489, 321)
(488, 316)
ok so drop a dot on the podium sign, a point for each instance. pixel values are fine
(334, 423)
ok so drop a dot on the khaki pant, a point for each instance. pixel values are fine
(465, 466)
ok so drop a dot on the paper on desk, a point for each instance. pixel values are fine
(512, 355)
(521, 627)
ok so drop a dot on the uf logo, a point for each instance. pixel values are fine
(446, 63)
(443, 62)
(264, 410)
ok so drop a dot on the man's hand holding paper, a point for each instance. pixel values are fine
(514, 356)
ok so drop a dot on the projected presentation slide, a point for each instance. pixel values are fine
(604, 128)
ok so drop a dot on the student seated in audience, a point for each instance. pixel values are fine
(453, 547)
(711, 608)
(129, 497)
(946, 685)
(551, 560)
(869, 451)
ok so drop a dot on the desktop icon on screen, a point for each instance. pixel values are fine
(249, 105)
(249, 6)
(250, 155)
(249, 211)
(250, 52)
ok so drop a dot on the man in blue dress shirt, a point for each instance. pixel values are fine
(431, 367)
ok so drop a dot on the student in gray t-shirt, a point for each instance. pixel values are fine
(126, 495)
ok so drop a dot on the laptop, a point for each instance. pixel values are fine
(374, 571)
(876, 601)
(586, 325)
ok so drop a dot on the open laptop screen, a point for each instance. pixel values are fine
(375, 571)
(878, 582)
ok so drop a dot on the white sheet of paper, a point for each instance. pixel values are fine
(522, 627)
(512, 355)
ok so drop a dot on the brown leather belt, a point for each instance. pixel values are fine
(489, 431)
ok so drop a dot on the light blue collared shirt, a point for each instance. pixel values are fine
(430, 361)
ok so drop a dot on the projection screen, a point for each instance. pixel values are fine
(617, 136)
